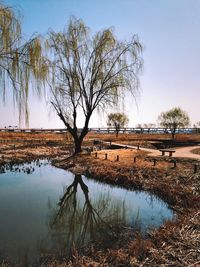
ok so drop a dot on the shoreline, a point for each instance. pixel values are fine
(178, 187)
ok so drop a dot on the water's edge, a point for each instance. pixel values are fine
(44, 205)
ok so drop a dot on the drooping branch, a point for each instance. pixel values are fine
(20, 61)
(90, 72)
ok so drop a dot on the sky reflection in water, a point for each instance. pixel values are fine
(47, 210)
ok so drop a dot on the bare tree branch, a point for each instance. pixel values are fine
(90, 72)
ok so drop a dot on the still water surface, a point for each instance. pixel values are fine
(44, 210)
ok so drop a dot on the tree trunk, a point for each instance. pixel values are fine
(77, 145)
(117, 133)
(79, 139)
(173, 133)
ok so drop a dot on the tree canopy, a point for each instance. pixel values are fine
(117, 120)
(20, 60)
(90, 72)
(173, 119)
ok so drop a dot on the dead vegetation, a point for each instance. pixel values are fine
(127, 137)
(196, 151)
(20, 152)
(176, 243)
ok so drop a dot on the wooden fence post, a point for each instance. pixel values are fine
(106, 156)
(174, 162)
(195, 168)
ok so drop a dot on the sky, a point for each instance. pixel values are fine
(169, 31)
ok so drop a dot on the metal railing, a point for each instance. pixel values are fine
(106, 130)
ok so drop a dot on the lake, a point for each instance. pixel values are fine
(44, 210)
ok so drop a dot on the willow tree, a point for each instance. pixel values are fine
(173, 119)
(89, 73)
(20, 60)
(117, 120)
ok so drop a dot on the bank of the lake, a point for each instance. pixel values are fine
(175, 243)
(48, 211)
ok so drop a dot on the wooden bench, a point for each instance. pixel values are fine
(170, 151)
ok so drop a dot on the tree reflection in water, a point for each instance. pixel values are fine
(77, 221)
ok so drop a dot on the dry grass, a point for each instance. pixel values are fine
(176, 243)
(31, 136)
(179, 186)
(144, 137)
(196, 151)
(18, 152)
(92, 136)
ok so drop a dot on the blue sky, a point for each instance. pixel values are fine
(169, 31)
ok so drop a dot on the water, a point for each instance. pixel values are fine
(44, 210)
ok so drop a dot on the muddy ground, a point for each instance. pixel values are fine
(176, 243)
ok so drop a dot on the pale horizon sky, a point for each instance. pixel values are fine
(169, 31)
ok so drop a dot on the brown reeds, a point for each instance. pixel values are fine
(176, 243)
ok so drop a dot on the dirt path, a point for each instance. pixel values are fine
(182, 152)
(186, 152)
